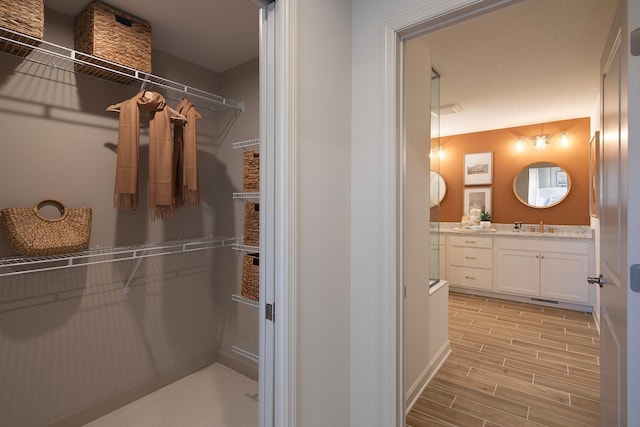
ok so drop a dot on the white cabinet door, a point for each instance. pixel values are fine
(518, 272)
(562, 277)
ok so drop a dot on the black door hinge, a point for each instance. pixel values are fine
(270, 312)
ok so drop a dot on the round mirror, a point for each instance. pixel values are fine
(542, 185)
(437, 189)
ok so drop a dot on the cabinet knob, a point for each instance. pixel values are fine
(470, 257)
(469, 277)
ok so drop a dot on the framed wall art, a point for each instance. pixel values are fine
(478, 168)
(561, 178)
(477, 197)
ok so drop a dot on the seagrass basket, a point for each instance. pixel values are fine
(114, 35)
(251, 168)
(251, 235)
(22, 16)
(31, 234)
(251, 277)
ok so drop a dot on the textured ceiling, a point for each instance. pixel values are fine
(216, 34)
(532, 62)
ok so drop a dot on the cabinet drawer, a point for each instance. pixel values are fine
(471, 241)
(471, 257)
(478, 278)
(549, 245)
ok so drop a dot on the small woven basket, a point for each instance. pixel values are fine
(22, 16)
(31, 234)
(251, 235)
(108, 33)
(251, 276)
(251, 171)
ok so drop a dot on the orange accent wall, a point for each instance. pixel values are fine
(507, 162)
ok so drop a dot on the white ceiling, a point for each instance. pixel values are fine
(532, 62)
(216, 34)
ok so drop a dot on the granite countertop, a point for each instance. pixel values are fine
(506, 230)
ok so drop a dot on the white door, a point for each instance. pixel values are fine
(613, 250)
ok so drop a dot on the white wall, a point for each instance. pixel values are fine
(322, 143)
(415, 234)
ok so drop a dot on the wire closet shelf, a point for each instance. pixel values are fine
(60, 57)
(20, 265)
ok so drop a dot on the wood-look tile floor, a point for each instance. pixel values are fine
(514, 364)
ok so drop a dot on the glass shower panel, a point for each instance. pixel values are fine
(434, 162)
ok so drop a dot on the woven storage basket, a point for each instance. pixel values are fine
(251, 224)
(31, 234)
(251, 171)
(22, 16)
(251, 276)
(108, 33)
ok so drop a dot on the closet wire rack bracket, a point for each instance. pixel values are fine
(21, 265)
(250, 348)
(247, 196)
(246, 144)
(245, 248)
(59, 57)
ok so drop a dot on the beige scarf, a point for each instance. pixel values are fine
(161, 186)
(186, 156)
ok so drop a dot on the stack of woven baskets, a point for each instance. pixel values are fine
(251, 236)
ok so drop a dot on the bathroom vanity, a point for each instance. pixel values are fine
(546, 268)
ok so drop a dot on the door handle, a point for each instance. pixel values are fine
(596, 280)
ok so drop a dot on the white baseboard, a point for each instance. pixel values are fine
(567, 305)
(427, 375)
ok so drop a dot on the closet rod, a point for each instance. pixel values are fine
(60, 57)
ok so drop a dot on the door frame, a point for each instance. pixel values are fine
(412, 24)
(278, 248)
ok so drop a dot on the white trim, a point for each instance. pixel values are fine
(390, 297)
(266, 344)
(286, 214)
(430, 371)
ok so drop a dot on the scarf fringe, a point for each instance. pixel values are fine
(127, 202)
(162, 212)
(191, 197)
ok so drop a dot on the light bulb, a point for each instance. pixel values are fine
(565, 141)
(519, 145)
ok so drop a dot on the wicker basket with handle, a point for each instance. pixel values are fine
(22, 16)
(31, 234)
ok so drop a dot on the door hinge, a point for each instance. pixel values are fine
(635, 42)
(270, 312)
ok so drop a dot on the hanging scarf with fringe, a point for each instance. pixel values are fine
(161, 186)
(186, 156)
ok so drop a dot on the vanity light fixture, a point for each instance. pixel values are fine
(541, 141)
(439, 151)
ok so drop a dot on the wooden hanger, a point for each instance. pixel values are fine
(198, 115)
(175, 115)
